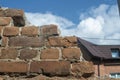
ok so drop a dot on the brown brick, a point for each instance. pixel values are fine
(50, 54)
(55, 41)
(23, 41)
(30, 31)
(1, 12)
(49, 30)
(9, 53)
(62, 42)
(11, 31)
(103, 69)
(19, 67)
(1, 28)
(83, 69)
(71, 39)
(11, 12)
(51, 67)
(40, 77)
(17, 16)
(4, 41)
(4, 21)
(1, 78)
(28, 53)
(71, 54)
(107, 69)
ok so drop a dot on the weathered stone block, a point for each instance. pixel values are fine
(40, 77)
(1, 78)
(83, 69)
(11, 12)
(72, 54)
(11, 31)
(71, 39)
(49, 30)
(23, 41)
(62, 42)
(50, 54)
(1, 28)
(30, 31)
(9, 53)
(51, 68)
(4, 21)
(55, 41)
(17, 16)
(11, 67)
(4, 41)
(28, 54)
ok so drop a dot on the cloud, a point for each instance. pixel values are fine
(39, 19)
(91, 26)
(99, 22)
(104, 21)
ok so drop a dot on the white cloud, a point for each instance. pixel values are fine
(99, 22)
(91, 26)
(109, 23)
(39, 19)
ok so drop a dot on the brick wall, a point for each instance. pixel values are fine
(32, 49)
(100, 70)
(112, 69)
(105, 70)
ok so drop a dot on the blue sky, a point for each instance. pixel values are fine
(82, 18)
(69, 9)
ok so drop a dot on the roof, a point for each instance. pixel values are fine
(100, 51)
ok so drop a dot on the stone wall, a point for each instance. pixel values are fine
(31, 51)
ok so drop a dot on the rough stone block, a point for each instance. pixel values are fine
(1, 28)
(9, 53)
(72, 54)
(51, 68)
(49, 30)
(17, 16)
(11, 12)
(50, 54)
(62, 42)
(28, 54)
(40, 77)
(83, 69)
(11, 67)
(1, 78)
(23, 41)
(4, 21)
(4, 41)
(30, 31)
(71, 39)
(11, 31)
(55, 41)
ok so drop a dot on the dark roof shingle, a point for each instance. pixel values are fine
(100, 51)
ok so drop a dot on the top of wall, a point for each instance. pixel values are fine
(16, 15)
(31, 49)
